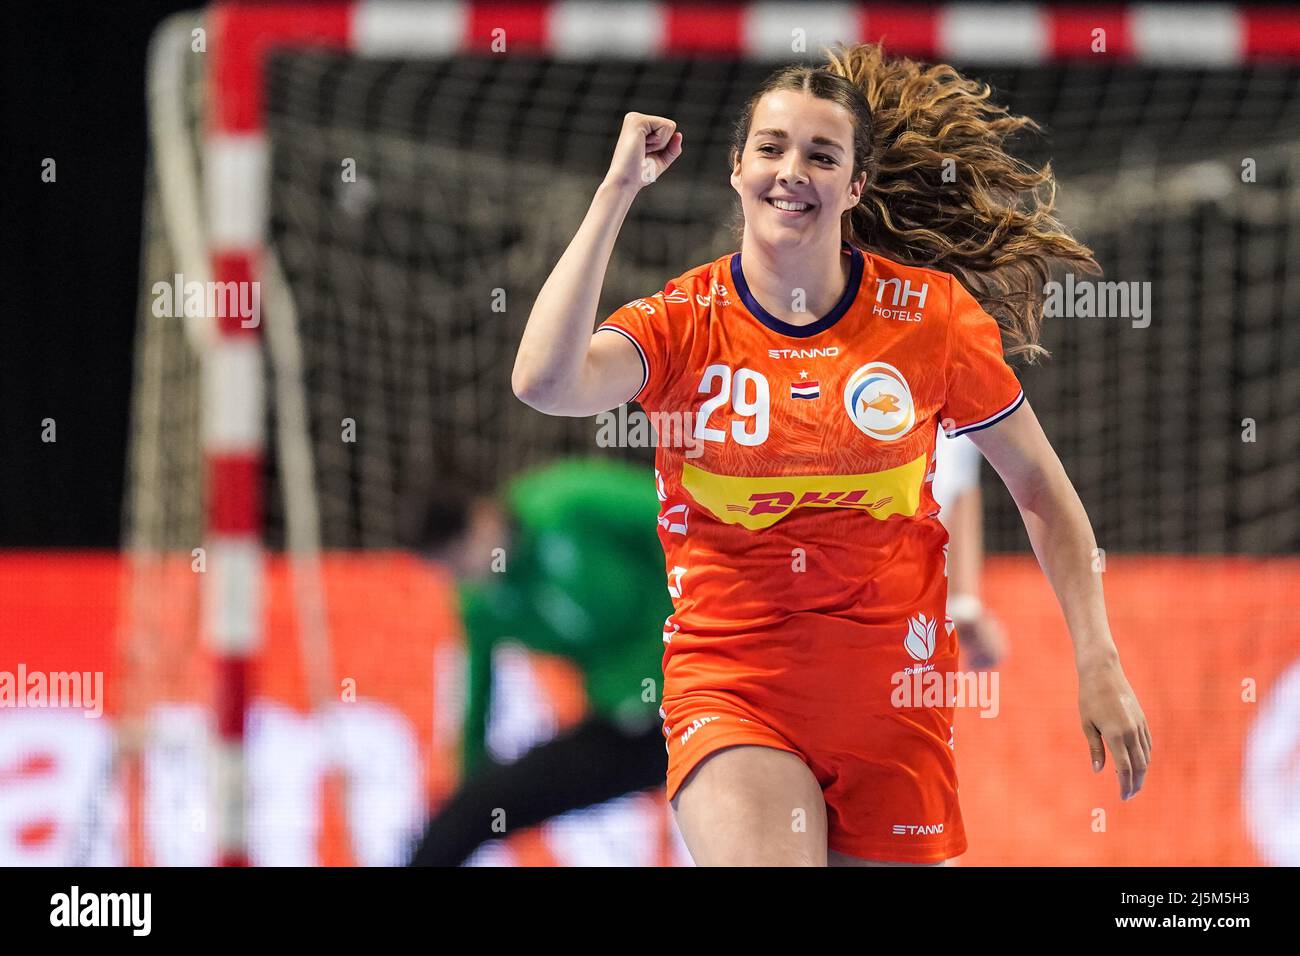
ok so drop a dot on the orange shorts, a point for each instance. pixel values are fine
(889, 780)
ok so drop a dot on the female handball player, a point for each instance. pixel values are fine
(890, 243)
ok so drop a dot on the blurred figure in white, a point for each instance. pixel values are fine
(957, 490)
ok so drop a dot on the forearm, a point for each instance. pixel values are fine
(1066, 549)
(558, 333)
(965, 543)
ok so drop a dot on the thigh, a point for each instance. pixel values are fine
(751, 805)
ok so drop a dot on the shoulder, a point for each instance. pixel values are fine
(940, 293)
(685, 298)
(698, 280)
(882, 265)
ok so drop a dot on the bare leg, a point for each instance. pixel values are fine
(752, 806)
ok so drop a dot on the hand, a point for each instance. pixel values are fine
(1110, 711)
(647, 145)
(983, 642)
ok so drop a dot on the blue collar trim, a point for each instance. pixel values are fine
(813, 328)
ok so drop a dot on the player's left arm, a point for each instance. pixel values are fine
(1066, 549)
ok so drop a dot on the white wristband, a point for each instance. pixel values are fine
(964, 607)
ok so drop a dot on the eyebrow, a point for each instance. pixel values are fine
(782, 134)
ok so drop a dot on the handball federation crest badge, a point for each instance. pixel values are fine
(879, 401)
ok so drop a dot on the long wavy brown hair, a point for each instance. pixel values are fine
(942, 192)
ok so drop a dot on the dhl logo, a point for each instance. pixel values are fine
(758, 503)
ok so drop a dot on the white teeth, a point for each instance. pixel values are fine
(790, 206)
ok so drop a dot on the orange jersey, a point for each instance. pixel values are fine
(803, 549)
(801, 537)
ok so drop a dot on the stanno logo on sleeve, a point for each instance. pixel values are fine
(879, 401)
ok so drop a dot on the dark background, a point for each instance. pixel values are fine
(73, 91)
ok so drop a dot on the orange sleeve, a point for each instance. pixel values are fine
(981, 388)
(652, 325)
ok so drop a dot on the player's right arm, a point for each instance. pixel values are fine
(562, 368)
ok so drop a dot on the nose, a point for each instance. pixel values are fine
(792, 169)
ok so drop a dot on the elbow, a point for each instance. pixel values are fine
(522, 381)
(525, 390)
(519, 384)
(1038, 487)
(552, 392)
(531, 392)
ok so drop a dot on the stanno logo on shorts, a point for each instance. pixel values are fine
(917, 829)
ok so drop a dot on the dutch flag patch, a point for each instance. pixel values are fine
(808, 389)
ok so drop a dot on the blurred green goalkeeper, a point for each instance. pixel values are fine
(565, 561)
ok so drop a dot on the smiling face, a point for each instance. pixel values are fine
(800, 149)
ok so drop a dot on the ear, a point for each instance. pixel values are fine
(856, 187)
(735, 174)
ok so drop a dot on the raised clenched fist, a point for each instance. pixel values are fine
(647, 145)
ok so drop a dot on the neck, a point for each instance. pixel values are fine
(774, 273)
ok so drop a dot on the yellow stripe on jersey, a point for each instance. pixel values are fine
(758, 503)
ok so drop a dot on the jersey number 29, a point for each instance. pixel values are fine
(723, 386)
